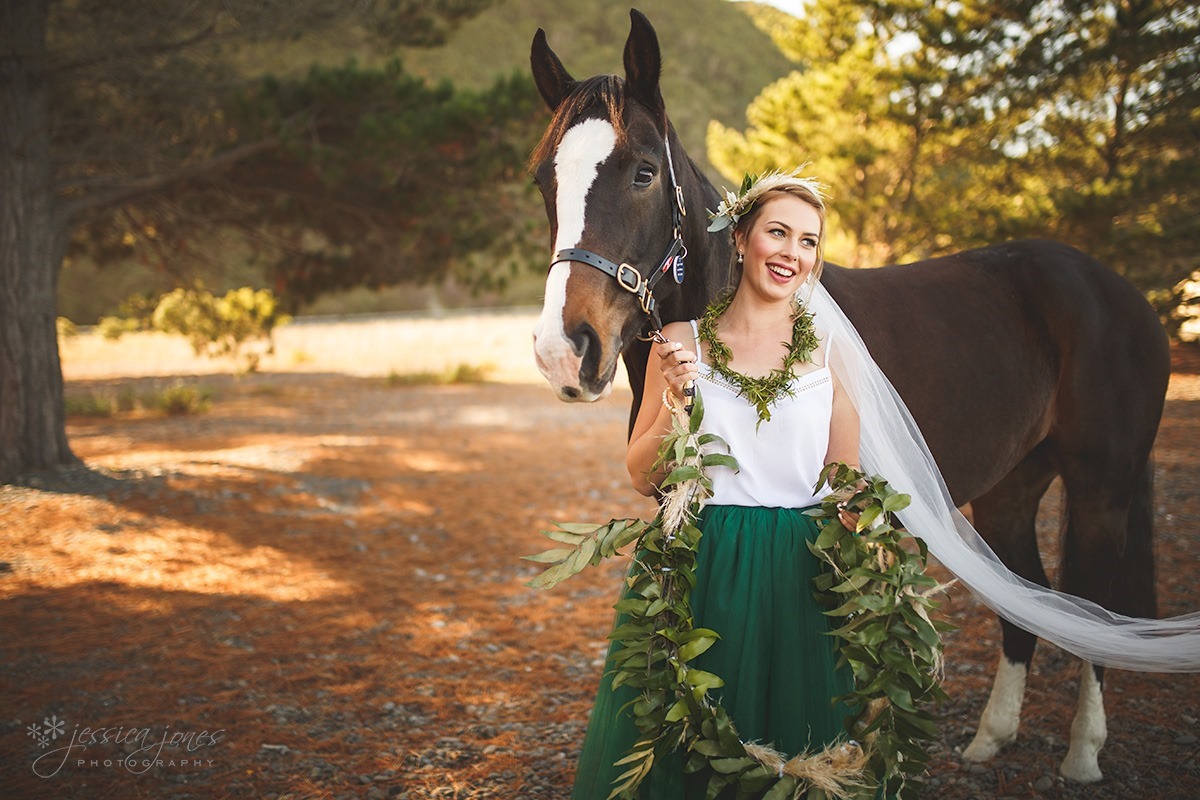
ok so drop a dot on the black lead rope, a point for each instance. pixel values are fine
(629, 278)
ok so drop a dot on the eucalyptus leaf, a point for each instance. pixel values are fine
(783, 790)
(564, 536)
(708, 747)
(868, 517)
(716, 784)
(720, 460)
(551, 577)
(730, 765)
(829, 536)
(695, 647)
(677, 711)
(550, 556)
(585, 528)
(679, 475)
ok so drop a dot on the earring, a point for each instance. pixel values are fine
(740, 258)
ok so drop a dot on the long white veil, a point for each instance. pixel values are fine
(892, 446)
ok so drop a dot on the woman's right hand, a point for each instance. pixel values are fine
(678, 367)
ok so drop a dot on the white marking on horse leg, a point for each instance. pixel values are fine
(1002, 714)
(1089, 730)
(578, 157)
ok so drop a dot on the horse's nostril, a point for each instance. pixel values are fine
(585, 339)
(571, 392)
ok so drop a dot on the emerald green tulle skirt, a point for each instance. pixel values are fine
(753, 587)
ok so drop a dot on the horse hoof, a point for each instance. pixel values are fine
(1080, 770)
(983, 747)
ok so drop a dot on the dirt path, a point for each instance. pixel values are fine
(320, 576)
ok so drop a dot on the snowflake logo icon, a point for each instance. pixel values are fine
(55, 727)
(35, 731)
(47, 731)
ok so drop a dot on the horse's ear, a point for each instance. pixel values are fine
(551, 77)
(643, 62)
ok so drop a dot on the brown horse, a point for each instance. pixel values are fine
(1021, 361)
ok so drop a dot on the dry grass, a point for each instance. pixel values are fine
(499, 342)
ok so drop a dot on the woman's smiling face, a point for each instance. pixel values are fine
(780, 249)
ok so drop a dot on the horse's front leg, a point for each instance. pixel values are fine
(1002, 714)
(1089, 729)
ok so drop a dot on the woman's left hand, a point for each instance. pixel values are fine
(848, 518)
(846, 515)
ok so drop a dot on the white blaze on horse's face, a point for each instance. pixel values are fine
(576, 161)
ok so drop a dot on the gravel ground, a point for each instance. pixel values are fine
(325, 569)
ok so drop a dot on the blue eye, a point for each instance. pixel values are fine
(809, 241)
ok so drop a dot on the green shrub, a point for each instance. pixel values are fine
(91, 404)
(215, 326)
(65, 327)
(132, 315)
(221, 326)
(181, 400)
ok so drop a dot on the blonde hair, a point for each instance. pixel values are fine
(773, 185)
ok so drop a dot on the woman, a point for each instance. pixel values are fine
(769, 394)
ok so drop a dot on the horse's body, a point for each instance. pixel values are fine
(1020, 362)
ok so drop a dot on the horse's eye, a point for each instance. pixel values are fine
(645, 175)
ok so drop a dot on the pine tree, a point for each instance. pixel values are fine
(130, 127)
(946, 124)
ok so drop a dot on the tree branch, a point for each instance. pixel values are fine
(76, 207)
(116, 54)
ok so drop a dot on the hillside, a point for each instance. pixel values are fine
(715, 60)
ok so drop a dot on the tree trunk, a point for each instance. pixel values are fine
(32, 245)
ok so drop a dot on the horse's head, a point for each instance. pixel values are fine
(602, 167)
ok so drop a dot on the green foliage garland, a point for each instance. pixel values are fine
(762, 391)
(874, 587)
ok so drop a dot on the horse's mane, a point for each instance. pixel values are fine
(604, 92)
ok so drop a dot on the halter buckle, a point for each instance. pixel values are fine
(629, 278)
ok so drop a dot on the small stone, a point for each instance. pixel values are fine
(978, 769)
(1187, 738)
(375, 793)
(1044, 783)
(365, 779)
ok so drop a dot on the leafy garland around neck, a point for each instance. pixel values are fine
(878, 598)
(761, 391)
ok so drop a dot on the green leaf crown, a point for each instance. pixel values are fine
(737, 204)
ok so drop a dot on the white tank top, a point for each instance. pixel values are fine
(781, 460)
